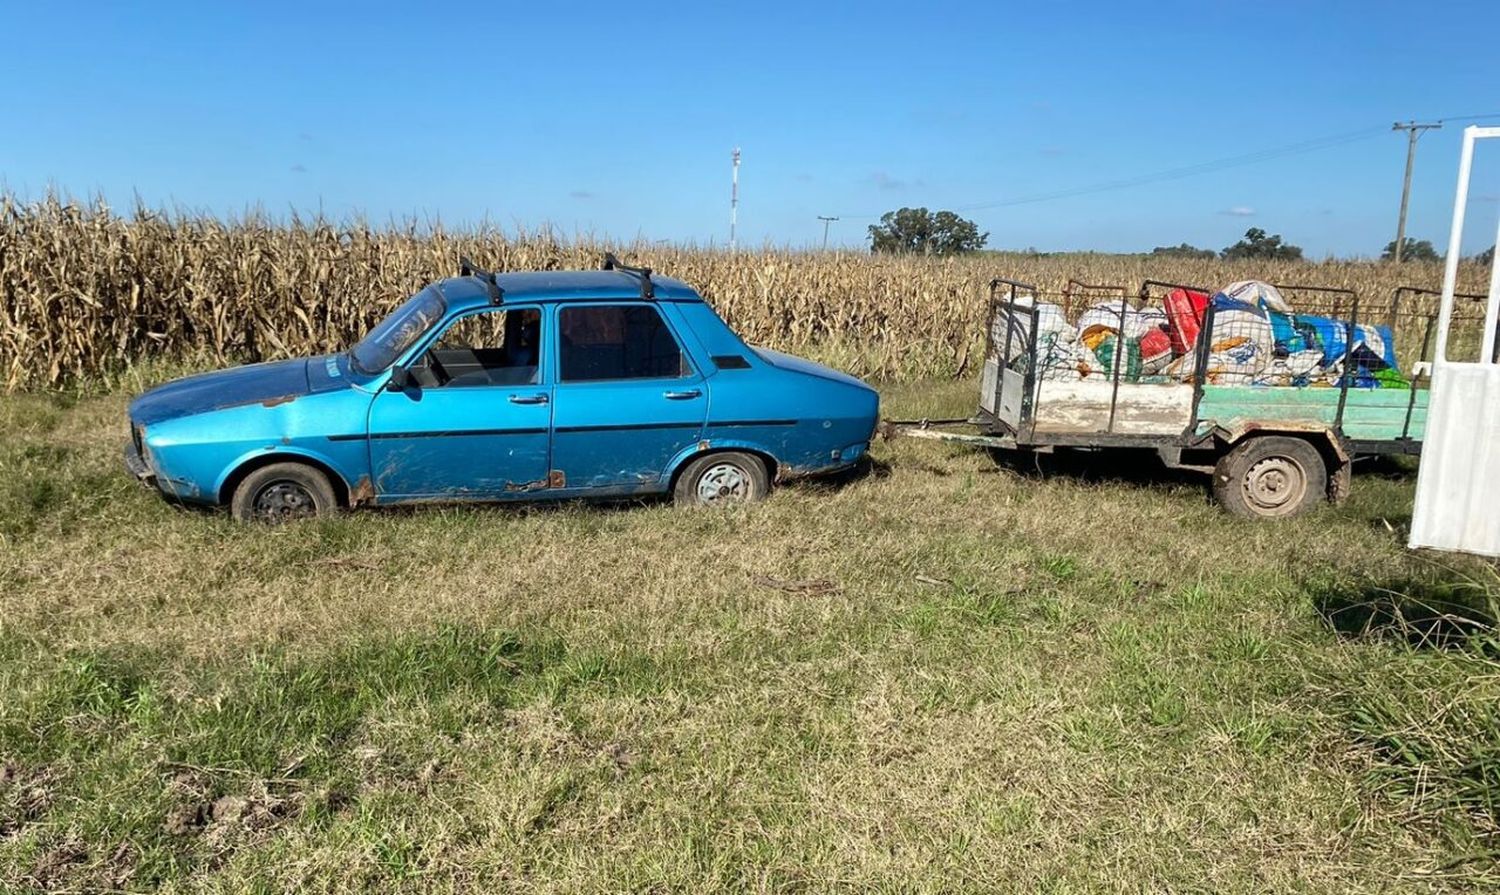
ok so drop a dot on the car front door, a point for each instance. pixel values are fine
(628, 398)
(474, 418)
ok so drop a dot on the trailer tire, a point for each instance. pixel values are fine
(1270, 477)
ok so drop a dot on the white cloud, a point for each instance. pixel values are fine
(1239, 211)
(885, 181)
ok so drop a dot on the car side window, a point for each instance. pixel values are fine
(601, 342)
(500, 347)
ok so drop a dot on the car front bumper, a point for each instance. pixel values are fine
(137, 466)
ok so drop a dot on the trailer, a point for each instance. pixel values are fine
(1274, 401)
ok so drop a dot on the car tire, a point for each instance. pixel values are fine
(1270, 477)
(722, 478)
(283, 492)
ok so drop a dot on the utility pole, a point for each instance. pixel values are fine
(826, 221)
(734, 197)
(1413, 131)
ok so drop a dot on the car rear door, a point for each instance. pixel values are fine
(627, 400)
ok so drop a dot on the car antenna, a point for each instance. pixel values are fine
(648, 288)
(467, 268)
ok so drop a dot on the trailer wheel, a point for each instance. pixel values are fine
(1270, 477)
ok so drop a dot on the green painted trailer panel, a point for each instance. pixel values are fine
(1370, 414)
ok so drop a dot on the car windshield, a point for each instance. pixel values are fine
(396, 333)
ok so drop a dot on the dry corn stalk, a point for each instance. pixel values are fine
(85, 291)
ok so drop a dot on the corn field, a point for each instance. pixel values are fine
(86, 292)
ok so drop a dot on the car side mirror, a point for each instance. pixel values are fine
(400, 380)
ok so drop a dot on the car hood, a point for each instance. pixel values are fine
(269, 383)
(801, 365)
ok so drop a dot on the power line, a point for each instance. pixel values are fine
(1483, 117)
(1191, 170)
(1175, 173)
(1305, 146)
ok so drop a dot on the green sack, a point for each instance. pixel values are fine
(1130, 364)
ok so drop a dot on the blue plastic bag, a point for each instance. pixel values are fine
(1333, 337)
(1289, 339)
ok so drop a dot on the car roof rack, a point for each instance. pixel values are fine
(648, 288)
(467, 268)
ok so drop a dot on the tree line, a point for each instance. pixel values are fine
(923, 232)
(1258, 245)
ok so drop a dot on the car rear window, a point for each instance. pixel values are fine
(618, 342)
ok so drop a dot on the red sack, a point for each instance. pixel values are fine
(1185, 317)
(1156, 349)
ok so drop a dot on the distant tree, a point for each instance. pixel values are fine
(1183, 251)
(1416, 250)
(1487, 256)
(919, 230)
(1257, 246)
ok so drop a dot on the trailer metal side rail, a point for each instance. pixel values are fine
(1028, 383)
(1200, 347)
(1083, 289)
(1075, 287)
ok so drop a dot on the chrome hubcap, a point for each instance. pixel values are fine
(1275, 485)
(284, 501)
(723, 483)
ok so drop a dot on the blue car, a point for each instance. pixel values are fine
(515, 386)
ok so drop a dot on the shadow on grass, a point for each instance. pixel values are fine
(1441, 608)
(1393, 468)
(866, 467)
(1133, 466)
(1427, 709)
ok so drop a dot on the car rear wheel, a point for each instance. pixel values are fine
(283, 492)
(722, 478)
(1270, 477)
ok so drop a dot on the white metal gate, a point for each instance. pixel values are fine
(1458, 483)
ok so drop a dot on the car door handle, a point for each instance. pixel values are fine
(682, 396)
(528, 399)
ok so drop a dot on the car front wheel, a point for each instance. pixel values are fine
(722, 478)
(283, 492)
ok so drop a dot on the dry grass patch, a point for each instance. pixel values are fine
(942, 676)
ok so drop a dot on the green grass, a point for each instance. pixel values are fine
(943, 676)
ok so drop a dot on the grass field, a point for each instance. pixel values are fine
(942, 676)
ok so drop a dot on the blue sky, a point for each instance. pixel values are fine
(618, 119)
